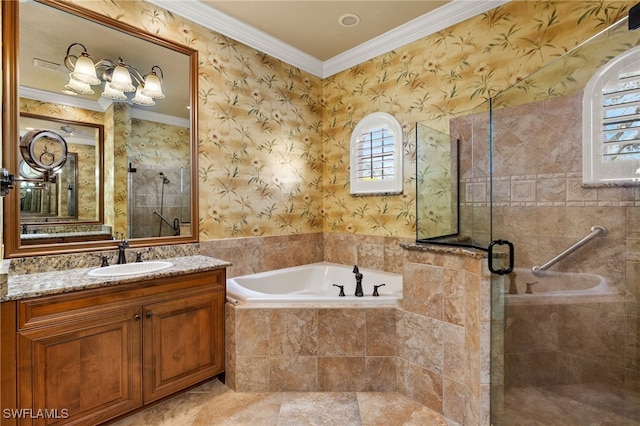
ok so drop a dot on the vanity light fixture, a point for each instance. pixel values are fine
(119, 78)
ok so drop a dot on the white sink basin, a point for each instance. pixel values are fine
(130, 269)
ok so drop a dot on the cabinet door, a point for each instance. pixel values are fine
(81, 372)
(183, 342)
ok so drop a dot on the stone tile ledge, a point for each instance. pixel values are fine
(438, 248)
(56, 282)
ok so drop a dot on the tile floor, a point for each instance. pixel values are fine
(570, 405)
(212, 403)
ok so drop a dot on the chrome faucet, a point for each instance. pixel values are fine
(122, 258)
(356, 271)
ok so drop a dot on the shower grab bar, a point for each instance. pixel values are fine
(595, 231)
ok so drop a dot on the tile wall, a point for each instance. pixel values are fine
(311, 349)
(434, 348)
(542, 207)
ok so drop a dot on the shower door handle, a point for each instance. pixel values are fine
(509, 268)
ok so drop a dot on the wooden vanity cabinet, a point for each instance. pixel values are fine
(181, 345)
(86, 369)
(93, 355)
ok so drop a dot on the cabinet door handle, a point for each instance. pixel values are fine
(148, 314)
(137, 317)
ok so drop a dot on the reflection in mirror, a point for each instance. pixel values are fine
(45, 200)
(50, 209)
(80, 174)
(436, 184)
(141, 140)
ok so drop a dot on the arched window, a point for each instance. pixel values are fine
(611, 122)
(376, 155)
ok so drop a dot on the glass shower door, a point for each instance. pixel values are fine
(565, 342)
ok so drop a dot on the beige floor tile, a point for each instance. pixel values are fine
(180, 410)
(213, 403)
(392, 408)
(319, 409)
(240, 409)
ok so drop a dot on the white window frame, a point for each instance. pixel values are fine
(363, 186)
(594, 169)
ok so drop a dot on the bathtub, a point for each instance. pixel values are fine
(313, 283)
(558, 287)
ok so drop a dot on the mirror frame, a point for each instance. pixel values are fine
(10, 133)
(100, 146)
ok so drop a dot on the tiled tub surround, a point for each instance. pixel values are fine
(433, 348)
(310, 349)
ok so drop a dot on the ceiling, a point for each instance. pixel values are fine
(303, 33)
(306, 33)
(313, 26)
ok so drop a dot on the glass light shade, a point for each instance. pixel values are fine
(152, 86)
(85, 71)
(79, 87)
(113, 94)
(121, 80)
(141, 99)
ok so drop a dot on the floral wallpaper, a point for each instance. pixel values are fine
(273, 140)
(434, 79)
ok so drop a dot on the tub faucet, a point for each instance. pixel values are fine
(356, 271)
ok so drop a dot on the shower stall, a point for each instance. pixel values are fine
(159, 201)
(565, 334)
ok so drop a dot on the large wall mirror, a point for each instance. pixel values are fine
(131, 169)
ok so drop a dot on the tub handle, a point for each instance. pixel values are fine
(375, 290)
(341, 287)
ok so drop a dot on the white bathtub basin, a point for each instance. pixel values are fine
(314, 283)
(554, 287)
(130, 269)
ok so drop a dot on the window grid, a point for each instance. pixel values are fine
(375, 158)
(621, 119)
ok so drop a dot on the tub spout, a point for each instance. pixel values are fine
(356, 271)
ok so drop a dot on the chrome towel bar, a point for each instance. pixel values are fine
(596, 231)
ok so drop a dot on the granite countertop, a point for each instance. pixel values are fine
(22, 286)
(451, 249)
(52, 235)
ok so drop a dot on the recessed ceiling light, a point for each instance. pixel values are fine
(349, 20)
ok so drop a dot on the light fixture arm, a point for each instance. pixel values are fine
(159, 69)
(70, 60)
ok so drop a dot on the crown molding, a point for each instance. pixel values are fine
(231, 27)
(156, 117)
(56, 98)
(450, 14)
(100, 105)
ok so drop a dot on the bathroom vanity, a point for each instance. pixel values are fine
(88, 355)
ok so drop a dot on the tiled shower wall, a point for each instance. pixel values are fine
(541, 206)
(146, 195)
